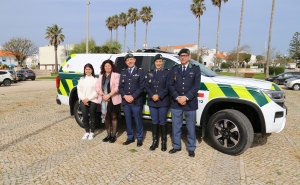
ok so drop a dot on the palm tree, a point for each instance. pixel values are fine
(270, 38)
(115, 23)
(109, 25)
(146, 16)
(54, 34)
(123, 20)
(218, 3)
(198, 8)
(133, 16)
(239, 39)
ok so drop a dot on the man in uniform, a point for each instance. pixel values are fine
(184, 85)
(131, 87)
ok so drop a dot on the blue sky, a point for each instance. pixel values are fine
(173, 22)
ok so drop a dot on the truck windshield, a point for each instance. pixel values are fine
(204, 70)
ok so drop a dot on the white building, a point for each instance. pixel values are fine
(47, 56)
(7, 58)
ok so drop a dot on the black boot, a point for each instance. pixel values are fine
(154, 136)
(163, 129)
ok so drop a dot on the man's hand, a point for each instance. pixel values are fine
(128, 98)
(155, 97)
(181, 100)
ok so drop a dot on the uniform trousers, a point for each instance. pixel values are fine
(177, 121)
(159, 115)
(136, 111)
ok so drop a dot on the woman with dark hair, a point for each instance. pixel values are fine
(109, 99)
(87, 95)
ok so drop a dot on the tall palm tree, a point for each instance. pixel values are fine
(270, 38)
(239, 39)
(146, 16)
(123, 20)
(116, 24)
(55, 36)
(218, 3)
(133, 17)
(109, 25)
(198, 8)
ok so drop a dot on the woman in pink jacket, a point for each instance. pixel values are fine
(109, 99)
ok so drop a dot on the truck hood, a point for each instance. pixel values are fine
(243, 81)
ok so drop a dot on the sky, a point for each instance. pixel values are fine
(173, 23)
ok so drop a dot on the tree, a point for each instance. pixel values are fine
(115, 24)
(218, 3)
(146, 16)
(294, 49)
(239, 37)
(80, 48)
(198, 8)
(270, 38)
(133, 17)
(111, 47)
(21, 48)
(109, 25)
(232, 59)
(123, 20)
(55, 36)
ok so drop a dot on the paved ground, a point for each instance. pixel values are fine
(40, 143)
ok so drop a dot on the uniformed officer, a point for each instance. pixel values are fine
(158, 101)
(131, 87)
(184, 85)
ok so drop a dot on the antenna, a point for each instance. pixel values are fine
(129, 51)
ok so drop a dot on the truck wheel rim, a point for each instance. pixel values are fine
(79, 113)
(226, 133)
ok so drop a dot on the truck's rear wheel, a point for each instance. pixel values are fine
(229, 131)
(78, 114)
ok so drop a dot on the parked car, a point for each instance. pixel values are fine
(279, 79)
(216, 70)
(5, 77)
(27, 74)
(293, 83)
(15, 76)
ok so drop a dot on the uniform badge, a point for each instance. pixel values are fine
(123, 80)
(150, 74)
(149, 80)
(174, 78)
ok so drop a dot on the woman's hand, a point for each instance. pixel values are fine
(106, 97)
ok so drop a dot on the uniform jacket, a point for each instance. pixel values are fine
(133, 84)
(157, 83)
(114, 85)
(185, 85)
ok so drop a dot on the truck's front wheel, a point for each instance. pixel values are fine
(229, 131)
(78, 114)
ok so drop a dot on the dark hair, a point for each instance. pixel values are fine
(113, 66)
(90, 66)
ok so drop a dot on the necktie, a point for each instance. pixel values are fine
(183, 71)
(129, 71)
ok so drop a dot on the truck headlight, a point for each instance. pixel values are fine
(275, 95)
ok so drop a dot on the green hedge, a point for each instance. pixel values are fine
(224, 65)
(275, 70)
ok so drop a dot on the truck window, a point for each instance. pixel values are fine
(168, 63)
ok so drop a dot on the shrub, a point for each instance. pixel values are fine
(224, 65)
(248, 66)
(279, 70)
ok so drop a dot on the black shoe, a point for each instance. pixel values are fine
(154, 145)
(163, 146)
(128, 141)
(139, 143)
(191, 153)
(106, 139)
(174, 150)
(112, 139)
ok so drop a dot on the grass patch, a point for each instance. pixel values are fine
(132, 150)
(54, 74)
(260, 76)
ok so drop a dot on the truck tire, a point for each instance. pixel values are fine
(229, 131)
(296, 87)
(78, 114)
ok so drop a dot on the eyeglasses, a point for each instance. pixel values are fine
(184, 55)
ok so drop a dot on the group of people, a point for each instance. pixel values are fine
(174, 89)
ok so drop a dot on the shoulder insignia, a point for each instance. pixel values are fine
(167, 69)
(123, 69)
(140, 68)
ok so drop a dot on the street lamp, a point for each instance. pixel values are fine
(87, 28)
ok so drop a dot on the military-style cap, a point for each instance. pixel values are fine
(158, 56)
(184, 50)
(129, 55)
